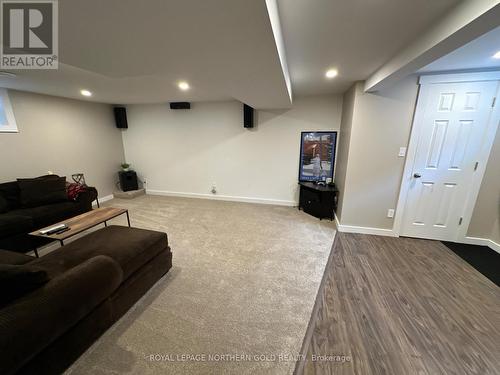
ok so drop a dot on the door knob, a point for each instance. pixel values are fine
(417, 175)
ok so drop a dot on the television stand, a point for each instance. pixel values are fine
(318, 200)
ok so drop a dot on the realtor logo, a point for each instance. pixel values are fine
(29, 34)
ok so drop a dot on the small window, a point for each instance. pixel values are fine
(7, 120)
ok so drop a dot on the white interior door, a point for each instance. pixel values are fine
(451, 132)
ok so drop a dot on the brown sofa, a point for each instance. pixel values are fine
(92, 282)
(17, 219)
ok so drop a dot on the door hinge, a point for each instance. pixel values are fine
(475, 166)
(493, 102)
(460, 221)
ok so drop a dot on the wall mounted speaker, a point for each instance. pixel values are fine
(180, 105)
(121, 117)
(247, 116)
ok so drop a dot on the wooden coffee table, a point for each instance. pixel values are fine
(82, 222)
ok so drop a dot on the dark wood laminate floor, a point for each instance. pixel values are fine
(404, 306)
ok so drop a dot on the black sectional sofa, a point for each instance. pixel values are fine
(25, 207)
(54, 307)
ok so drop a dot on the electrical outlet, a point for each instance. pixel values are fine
(390, 212)
(402, 152)
(214, 189)
(145, 181)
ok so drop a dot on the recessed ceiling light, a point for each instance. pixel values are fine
(183, 85)
(85, 93)
(497, 55)
(331, 73)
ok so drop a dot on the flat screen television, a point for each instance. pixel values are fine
(317, 155)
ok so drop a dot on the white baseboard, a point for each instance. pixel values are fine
(482, 242)
(364, 230)
(475, 241)
(494, 246)
(229, 198)
(103, 199)
(391, 233)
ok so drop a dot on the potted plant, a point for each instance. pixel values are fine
(125, 167)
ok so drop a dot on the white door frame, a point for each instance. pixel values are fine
(415, 136)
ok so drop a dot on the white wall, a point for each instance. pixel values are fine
(64, 136)
(343, 145)
(374, 126)
(186, 151)
(485, 221)
(380, 124)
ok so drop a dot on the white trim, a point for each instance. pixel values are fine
(475, 241)
(411, 153)
(482, 242)
(489, 139)
(415, 137)
(103, 199)
(364, 230)
(494, 246)
(459, 77)
(337, 221)
(228, 198)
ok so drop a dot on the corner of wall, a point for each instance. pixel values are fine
(348, 105)
(379, 125)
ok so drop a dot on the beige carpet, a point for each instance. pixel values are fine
(244, 282)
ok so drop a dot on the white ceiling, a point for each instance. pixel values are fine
(354, 36)
(131, 51)
(474, 55)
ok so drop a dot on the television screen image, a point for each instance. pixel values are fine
(317, 155)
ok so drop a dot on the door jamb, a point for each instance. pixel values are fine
(492, 126)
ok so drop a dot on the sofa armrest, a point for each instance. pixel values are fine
(11, 257)
(31, 323)
(85, 198)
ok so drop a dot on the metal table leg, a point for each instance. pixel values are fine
(128, 218)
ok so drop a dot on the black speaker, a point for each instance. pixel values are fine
(128, 180)
(247, 116)
(121, 117)
(180, 105)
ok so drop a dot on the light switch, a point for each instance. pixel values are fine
(402, 152)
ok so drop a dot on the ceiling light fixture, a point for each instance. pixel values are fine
(85, 93)
(331, 73)
(183, 85)
(497, 55)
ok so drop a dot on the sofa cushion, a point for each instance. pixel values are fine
(33, 322)
(11, 257)
(49, 214)
(18, 280)
(11, 193)
(42, 190)
(12, 224)
(131, 248)
(4, 206)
